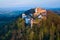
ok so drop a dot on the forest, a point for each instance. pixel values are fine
(45, 30)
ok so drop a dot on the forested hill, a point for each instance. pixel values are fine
(48, 29)
(53, 17)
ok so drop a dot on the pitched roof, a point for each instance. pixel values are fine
(31, 11)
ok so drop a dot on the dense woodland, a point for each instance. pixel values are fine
(46, 30)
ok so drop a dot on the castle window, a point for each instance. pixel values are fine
(40, 16)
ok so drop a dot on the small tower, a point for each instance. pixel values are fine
(23, 15)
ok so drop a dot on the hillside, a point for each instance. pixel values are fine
(55, 10)
(48, 29)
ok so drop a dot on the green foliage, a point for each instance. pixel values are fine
(45, 30)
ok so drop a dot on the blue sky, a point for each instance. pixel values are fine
(30, 3)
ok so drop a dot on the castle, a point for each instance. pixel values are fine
(31, 18)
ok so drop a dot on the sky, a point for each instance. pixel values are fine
(30, 3)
